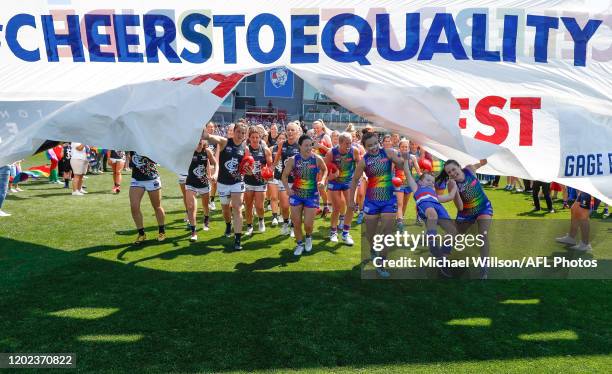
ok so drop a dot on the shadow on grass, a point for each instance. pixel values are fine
(66, 193)
(215, 321)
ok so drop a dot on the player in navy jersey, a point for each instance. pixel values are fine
(211, 128)
(273, 184)
(285, 150)
(256, 185)
(145, 178)
(197, 183)
(230, 183)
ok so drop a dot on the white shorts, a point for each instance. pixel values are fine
(79, 167)
(182, 178)
(263, 188)
(198, 191)
(225, 191)
(149, 186)
(281, 186)
(115, 160)
(274, 181)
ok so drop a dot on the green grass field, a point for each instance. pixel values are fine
(70, 281)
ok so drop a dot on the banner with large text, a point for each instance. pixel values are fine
(525, 84)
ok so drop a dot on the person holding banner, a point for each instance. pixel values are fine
(403, 192)
(430, 209)
(304, 167)
(230, 184)
(256, 185)
(472, 203)
(343, 157)
(117, 161)
(285, 150)
(380, 205)
(203, 165)
(145, 178)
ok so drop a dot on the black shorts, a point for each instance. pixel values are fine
(64, 166)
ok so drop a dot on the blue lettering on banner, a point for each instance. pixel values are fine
(479, 40)
(299, 39)
(161, 42)
(510, 34)
(542, 24)
(95, 40)
(12, 28)
(581, 37)
(587, 165)
(431, 45)
(125, 40)
(72, 39)
(229, 24)
(266, 19)
(201, 40)
(356, 52)
(383, 37)
(161, 32)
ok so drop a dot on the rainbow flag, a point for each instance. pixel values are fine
(41, 171)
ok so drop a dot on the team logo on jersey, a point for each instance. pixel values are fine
(200, 172)
(256, 167)
(138, 161)
(232, 165)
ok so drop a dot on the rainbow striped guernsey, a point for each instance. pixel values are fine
(345, 163)
(305, 177)
(379, 170)
(472, 194)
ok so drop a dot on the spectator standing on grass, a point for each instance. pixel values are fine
(5, 174)
(117, 161)
(79, 164)
(64, 165)
(580, 221)
(15, 168)
(55, 155)
(536, 199)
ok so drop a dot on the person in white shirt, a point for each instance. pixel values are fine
(79, 164)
